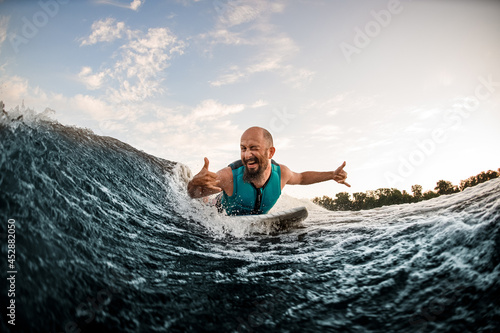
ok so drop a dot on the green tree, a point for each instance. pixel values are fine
(445, 187)
(370, 200)
(479, 178)
(395, 197)
(490, 174)
(359, 201)
(325, 202)
(390, 196)
(407, 198)
(429, 195)
(342, 201)
(417, 192)
(382, 196)
(466, 183)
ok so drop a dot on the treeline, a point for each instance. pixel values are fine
(392, 196)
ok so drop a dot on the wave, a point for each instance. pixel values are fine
(107, 238)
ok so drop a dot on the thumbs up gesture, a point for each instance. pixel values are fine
(204, 183)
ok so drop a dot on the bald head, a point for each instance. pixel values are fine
(259, 133)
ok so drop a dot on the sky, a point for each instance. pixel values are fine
(406, 92)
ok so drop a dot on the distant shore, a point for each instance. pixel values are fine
(391, 196)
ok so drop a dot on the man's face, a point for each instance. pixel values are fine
(254, 155)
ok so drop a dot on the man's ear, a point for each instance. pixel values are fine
(272, 150)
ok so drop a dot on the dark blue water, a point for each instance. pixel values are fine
(106, 239)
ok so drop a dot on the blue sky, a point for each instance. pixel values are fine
(407, 92)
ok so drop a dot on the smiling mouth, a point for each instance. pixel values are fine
(252, 163)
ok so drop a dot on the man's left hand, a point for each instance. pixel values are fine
(340, 175)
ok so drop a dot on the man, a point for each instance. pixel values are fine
(253, 184)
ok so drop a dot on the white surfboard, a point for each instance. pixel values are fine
(274, 222)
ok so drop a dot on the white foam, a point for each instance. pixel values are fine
(286, 202)
(26, 115)
(430, 211)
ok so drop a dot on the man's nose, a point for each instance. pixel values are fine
(248, 154)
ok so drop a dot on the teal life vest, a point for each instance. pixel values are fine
(246, 198)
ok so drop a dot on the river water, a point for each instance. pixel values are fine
(107, 239)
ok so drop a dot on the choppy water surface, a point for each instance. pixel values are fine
(106, 238)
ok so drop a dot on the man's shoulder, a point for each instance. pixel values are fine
(225, 179)
(285, 171)
(282, 166)
(236, 165)
(227, 171)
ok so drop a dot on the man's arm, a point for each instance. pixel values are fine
(312, 177)
(206, 183)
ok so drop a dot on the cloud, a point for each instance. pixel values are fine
(234, 75)
(4, 22)
(236, 12)
(142, 59)
(14, 88)
(326, 133)
(106, 30)
(98, 109)
(224, 36)
(298, 77)
(211, 109)
(181, 133)
(134, 5)
(270, 58)
(245, 23)
(189, 127)
(259, 103)
(178, 134)
(343, 102)
(92, 81)
(82, 110)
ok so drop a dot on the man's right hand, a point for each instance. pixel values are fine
(204, 183)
